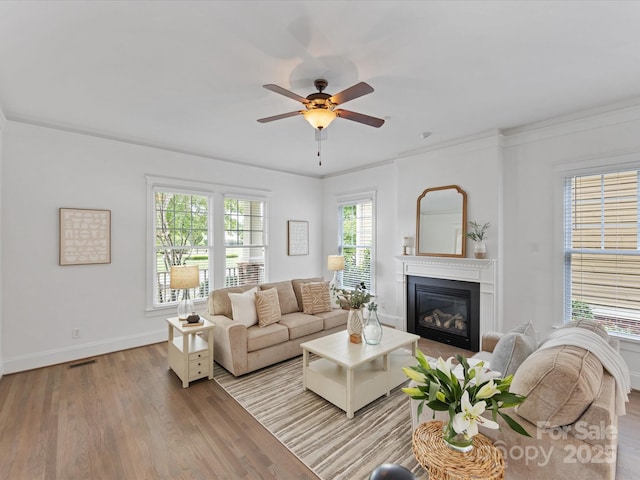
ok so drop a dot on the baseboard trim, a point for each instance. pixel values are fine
(52, 357)
(392, 320)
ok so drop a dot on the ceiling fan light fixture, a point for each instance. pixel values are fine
(320, 118)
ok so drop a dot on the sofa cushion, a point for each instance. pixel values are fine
(219, 302)
(333, 318)
(560, 383)
(297, 283)
(267, 307)
(301, 324)
(513, 348)
(243, 307)
(315, 297)
(263, 337)
(286, 296)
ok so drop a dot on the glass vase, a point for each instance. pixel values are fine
(372, 330)
(454, 440)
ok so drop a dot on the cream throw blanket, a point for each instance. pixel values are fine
(608, 356)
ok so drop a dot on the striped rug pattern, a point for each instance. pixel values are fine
(319, 433)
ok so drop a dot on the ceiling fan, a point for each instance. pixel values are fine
(321, 107)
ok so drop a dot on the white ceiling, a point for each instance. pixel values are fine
(188, 75)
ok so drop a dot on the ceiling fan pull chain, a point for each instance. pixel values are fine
(319, 148)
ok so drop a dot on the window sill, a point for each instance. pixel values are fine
(170, 309)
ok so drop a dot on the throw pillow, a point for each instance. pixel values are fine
(513, 348)
(560, 383)
(243, 306)
(316, 297)
(525, 328)
(267, 307)
(286, 296)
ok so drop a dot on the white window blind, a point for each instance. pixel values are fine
(602, 249)
(181, 227)
(356, 227)
(244, 241)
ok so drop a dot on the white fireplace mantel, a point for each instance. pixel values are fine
(451, 268)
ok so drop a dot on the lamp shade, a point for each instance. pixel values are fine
(407, 241)
(320, 117)
(335, 263)
(183, 276)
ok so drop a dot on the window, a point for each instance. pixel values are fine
(244, 241)
(181, 228)
(356, 242)
(602, 249)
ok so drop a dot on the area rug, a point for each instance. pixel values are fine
(319, 433)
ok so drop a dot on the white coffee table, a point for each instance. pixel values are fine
(351, 375)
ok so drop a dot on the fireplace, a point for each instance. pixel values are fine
(447, 311)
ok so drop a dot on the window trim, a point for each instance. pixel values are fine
(350, 199)
(216, 193)
(265, 245)
(600, 165)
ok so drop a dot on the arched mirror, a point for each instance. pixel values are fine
(441, 222)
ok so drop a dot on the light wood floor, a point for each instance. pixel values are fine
(126, 416)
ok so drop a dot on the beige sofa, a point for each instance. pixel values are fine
(569, 412)
(241, 349)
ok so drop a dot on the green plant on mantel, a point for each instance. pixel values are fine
(478, 232)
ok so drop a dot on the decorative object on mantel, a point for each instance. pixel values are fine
(372, 330)
(441, 222)
(407, 243)
(335, 264)
(85, 236)
(354, 300)
(298, 237)
(478, 234)
(464, 392)
(184, 277)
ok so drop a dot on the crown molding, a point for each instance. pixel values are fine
(142, 143)
(606, 115)
(487, 139)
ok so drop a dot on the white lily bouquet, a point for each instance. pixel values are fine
(465, 397)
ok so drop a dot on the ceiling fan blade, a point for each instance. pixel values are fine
(360, 118)
(281, 116)
(358, 90)
(285, 92)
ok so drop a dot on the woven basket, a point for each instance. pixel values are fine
(483, 461)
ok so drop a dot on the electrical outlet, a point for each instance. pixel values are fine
(75, 333)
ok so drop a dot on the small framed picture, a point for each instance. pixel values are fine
(85, 236)
(298, 237)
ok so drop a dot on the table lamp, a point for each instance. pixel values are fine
(335, 264)
(185, 277)
(407, 243)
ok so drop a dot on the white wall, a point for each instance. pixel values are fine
(45, 169)
(514, 180)
(474, 164)
(3, 122)
(536, 159)
(380, 179)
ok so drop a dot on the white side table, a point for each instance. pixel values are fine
(190, 355)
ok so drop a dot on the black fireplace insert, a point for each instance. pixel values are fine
(447, 311)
